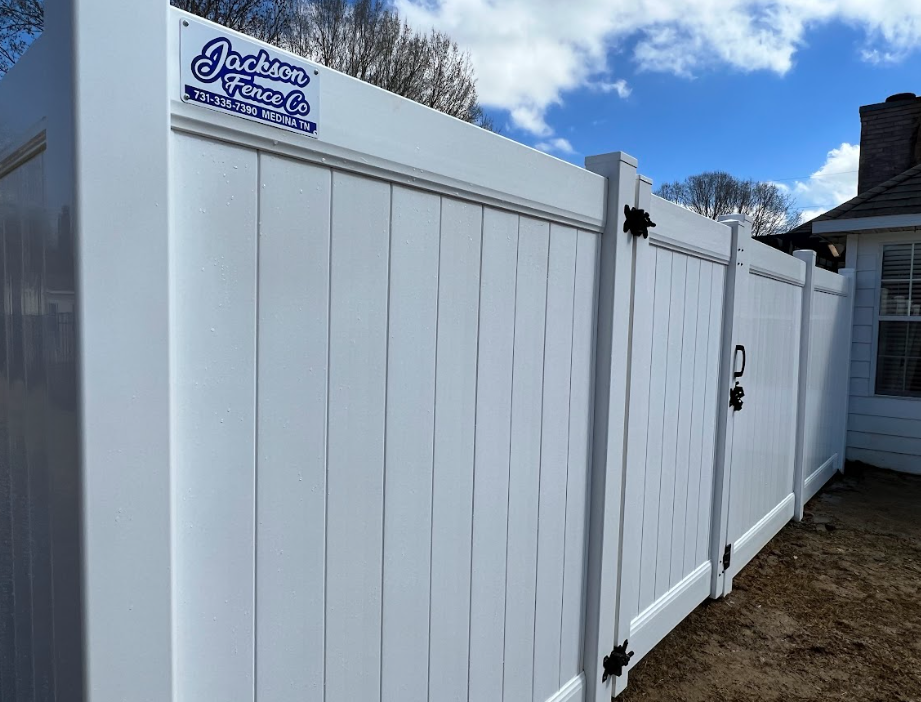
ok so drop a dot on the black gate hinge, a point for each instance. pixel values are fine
(735, 397)
(637, 221)
(727, 557)
(615, 662)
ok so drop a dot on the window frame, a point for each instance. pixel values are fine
(879, 317)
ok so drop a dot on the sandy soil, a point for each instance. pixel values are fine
(830, 610)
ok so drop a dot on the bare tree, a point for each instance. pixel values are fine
(263, 19)
(20, 22)
(716, 193)
(366, 39)
(23, 20)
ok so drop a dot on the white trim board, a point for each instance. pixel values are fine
(654, 623)
(573, 691)
(775, 275)
(751, 542)
(857, 224)
(821, 475)
(672, 244)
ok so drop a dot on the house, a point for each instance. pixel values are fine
(879, 232)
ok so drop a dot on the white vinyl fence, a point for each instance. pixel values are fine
(761, 436)
(402, 412)
(823, 397)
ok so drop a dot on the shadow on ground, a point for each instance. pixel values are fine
(830, 610)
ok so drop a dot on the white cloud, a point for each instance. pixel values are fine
(835, 182)
(555, 145)
(529, 53)
(618, 86)
(531, 120)
(876, 56)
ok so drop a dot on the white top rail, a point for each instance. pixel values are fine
(828, 282)
(374, 132)
(771, 263)
(712, 243)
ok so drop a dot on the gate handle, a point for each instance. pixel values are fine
(739, 374)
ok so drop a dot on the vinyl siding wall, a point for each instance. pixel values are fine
(882, 431)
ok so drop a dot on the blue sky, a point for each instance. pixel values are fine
(754, 125)
(766, 89)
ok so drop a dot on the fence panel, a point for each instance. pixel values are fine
(824, 359)
(410, 349)
(680, 274)
(761, 459)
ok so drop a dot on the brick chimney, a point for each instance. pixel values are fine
(889, 142)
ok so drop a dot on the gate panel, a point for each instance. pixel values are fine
(761, 465)
(680, 275)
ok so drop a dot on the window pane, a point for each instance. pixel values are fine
(897, 261)
(915, 309)
(913, 377)
(914, 340)
(890, 375)
(893, 297)
(893, 338)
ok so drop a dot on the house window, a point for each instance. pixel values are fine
(898, 360)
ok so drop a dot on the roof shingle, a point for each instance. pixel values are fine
(898, 195)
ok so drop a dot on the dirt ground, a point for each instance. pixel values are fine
(829, 610)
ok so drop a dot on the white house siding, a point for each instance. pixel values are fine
(882, 431)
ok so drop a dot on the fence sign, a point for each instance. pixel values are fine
(226, 72)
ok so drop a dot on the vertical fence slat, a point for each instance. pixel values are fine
(491, 470)
(714, 395)
(553, 462)
(355, 458)
(698, 490)
(415, 225)
(214, 429)
(524, 462)
(291, 428)
(657, 428)
(670, 428)
(579, 453)
(455, 416)
(685, 467)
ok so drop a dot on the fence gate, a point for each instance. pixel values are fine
(761, 380)
(680, 274)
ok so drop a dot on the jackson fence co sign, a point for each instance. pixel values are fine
(228, 73)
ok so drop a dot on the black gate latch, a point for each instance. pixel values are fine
(737, 393)
(727, 557)
(735, 397)
(614, 663)
(637, 221)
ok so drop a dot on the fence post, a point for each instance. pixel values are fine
(802, 385)
(612, 349)
(121, 222)
(851, 275)
(734, 299)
